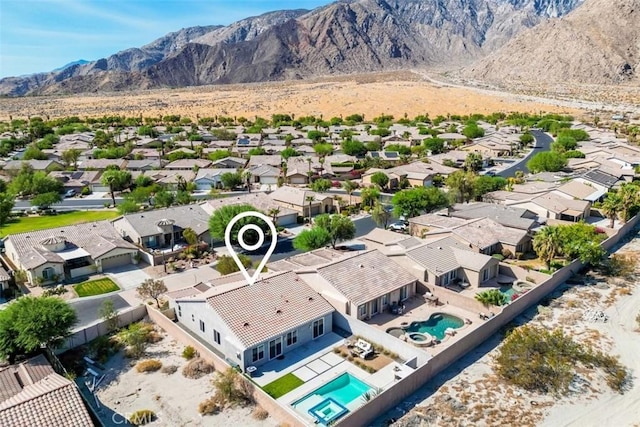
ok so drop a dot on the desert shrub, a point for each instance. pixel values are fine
(189, 352)
(546, 362)
(530, 279)
(142, 417)
(499, 257)
(135, 337)
(638, 320)
(211, 406)
(233, 388)
(259, 413)
(197, 368)
(103, 347)
(150, 365)
(618, 266)
(169, 369)
(506, 253)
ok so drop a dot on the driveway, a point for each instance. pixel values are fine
(128, 277)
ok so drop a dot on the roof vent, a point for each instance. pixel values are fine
(361, 266)
(439, 248)
(310, 298)
(278, 311)
(246, 324)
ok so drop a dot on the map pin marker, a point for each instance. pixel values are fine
(247, 247)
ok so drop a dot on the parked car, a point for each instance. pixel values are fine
(70, 193)
(398, 226)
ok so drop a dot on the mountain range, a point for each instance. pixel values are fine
(355, 36)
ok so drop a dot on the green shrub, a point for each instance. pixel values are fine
(85, 191)
(499, 257)
(142, 417)
(189, 352)
(492, 297)
(150, 365)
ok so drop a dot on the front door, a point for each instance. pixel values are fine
(275, 348)
(374, 306)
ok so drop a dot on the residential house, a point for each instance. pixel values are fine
(363, 285)
(387, 156)
(188, 164)
(417, 174)
(229, 163)
(490, 148)
(171, 178)
(265, 159)
(146, 153)
(260, 201)
(581, 191)
(265, 175)
(448, 261)
(4, 281)
(76, 180)
(455, 157)
(33, 394)
(557, 207)
(36, 165)
(207, 179)
(252, 325)
(599, 179)
(142, 165)
(297, 199)
(163, 228)
(300, 168)
(101, 164)
(509, 216)
(69, 252)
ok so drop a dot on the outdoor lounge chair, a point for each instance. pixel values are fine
(363, 349)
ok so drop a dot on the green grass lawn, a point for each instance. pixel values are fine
(95, 287)
(283, 385)
(32, 223)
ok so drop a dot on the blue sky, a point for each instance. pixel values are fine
(41, 35)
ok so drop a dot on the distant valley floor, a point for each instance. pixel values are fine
(393, 93)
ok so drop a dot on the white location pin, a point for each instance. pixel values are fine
(274, 241)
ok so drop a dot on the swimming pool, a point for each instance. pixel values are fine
(436, 325)
(334, 399)
(509, 291)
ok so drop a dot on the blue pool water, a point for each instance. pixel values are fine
(344, 390)
(508, 291)
(436, 325)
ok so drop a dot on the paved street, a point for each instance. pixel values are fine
(543, 143)
(88, 309)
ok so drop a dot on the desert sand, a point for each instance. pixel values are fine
(469, 393)
(394, 93)
(173, 397)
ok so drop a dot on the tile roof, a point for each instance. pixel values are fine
(559, 204)
(578, 189)
(365, 276)
(100, 163)
(260, 201)
(485, 232)
(439, 221)
(32, 394)
(188, 163)
(508, 216)
(208, 173)
(296, 196)
(188, 216)
(268, 308)
(439, 256)
(96, 238)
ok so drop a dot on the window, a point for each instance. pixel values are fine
(374, 306)
(275, 348)
(318, 328)
(385, 300)
(216, 336)
(257, 353)
(362, 310)
(48, 273)
(202, 326)
(485, 274)
(179, 310)
(404, 293)
(292, 338)
(453, 274)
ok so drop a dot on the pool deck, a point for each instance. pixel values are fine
(416, 310)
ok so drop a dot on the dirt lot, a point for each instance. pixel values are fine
(173, 397)
(371, 94)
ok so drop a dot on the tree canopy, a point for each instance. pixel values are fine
(380, 179)
(547, 161)
(416, 201)
(339, 227)
(310, 239)
(223, 216)
(31, 322)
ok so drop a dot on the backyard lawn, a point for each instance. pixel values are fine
(282, 385)
(95, 287)
(32, 223)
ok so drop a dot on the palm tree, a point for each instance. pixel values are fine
(380, 215)
(547, 244)
(350, 187)
(273, 213)
(611, 207)
(309, 199)
(284, 170)
(629, 195)
(246, 176)
(492, 297)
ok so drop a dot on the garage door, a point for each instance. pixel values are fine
(115, 261)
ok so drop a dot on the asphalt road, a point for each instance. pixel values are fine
(543, 143)
(88, 309)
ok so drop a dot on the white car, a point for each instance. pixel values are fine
(398, 226)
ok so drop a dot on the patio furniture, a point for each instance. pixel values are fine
(362, 349)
